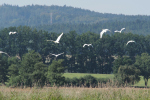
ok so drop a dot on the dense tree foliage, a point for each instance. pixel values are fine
(121, 61)
(14, 71)
(3, 68)
(32, 69)
(143, 63)
(55, 72)
(128, 74)
(31, 54)
(32, 63)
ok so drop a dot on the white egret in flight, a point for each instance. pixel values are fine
(130, 42)
(4, 53)
(56, 55)
(103, 31)
(87, 45)
(57, 40)
(12, 33)
(120, 30)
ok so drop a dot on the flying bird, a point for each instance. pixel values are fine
(4, 53)
(56, 55)
(130, 42)
(120, 30)
(103, 31)
(57, 40)
(87, 45)
(12, 33)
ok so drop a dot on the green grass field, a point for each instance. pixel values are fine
(78, 75)
(142, 83)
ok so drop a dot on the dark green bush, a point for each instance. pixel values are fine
(89, 80)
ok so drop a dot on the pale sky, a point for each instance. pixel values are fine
(127, 7)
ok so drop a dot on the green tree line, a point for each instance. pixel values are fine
(102, 53)
(30, 53)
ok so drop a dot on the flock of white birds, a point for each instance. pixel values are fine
(105, 30)
(59, 37)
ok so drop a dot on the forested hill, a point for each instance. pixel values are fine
(57, 16)
(136, 27)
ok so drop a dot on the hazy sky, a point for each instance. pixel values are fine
(127, 7)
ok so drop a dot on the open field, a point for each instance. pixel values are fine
(64, 93)
(142, 83)
(78, 75)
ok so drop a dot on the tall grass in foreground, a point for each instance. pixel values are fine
(74, 93)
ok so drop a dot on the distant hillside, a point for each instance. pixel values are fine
(40, 15)
(64, 18)
(136, 27)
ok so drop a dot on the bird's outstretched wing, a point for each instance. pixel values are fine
(84, 45)
(10, 33)
(129, 42)
(122, 29)
(60, 54)
(53, 54)
(56, 54)
(14, 32)
(87, 45)
(103, 31)
(116, 31)
(4, 53)
(59, 37)
(90, 45)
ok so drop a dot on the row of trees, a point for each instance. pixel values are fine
(96, 59)
(30, 71)
(127, 70)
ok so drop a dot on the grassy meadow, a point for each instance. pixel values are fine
(142, 83)
(78, 75)
(74, 93)
(77, 93)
